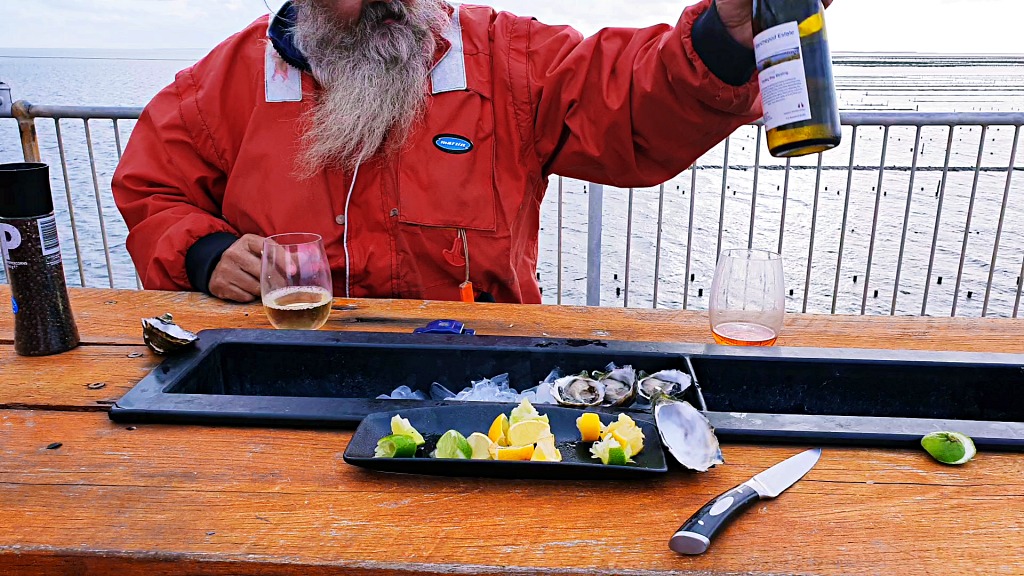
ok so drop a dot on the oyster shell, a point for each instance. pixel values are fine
(668, 382)
(163, 336)
(579, 391)
(619, 385)
(686, 433)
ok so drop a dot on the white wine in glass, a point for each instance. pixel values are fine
(748, 300)
(295, 281)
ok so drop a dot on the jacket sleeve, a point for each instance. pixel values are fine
(628, 107)
(169, 185)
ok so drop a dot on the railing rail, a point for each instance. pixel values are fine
(827, 245)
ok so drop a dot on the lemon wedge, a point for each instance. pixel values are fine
(527, 432)
(545, 451)
(498, 432)
(589, 425)
(481, 446)
(514, 453)
(526, 411)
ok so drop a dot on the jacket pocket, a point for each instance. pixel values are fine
(446, 171)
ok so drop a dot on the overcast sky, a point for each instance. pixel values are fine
(977, 26)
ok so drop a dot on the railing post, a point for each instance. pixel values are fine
(5, 100)
(595, 204)
(27, 127)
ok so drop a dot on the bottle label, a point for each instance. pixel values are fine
(10, 240)
(781, 75)
(48, 241)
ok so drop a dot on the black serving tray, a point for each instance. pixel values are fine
(819, 395)
(470, 417)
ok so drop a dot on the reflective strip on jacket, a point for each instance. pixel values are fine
(624, 107)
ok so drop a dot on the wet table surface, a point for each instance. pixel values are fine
(80, 494)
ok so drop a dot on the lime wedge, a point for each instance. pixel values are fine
(609, 451)
(395, 446)
(453, 445)
(401, 425)
(949, 447)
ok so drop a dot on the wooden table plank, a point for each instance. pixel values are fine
(286, 498)
(86, 378)
(112, 317)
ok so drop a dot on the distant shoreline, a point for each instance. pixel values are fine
(931, 59)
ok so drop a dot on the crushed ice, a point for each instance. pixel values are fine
(494, 389)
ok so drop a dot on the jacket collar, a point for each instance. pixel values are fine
(282, 36)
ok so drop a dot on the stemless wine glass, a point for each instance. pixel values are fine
(748, 298)
(295, 281)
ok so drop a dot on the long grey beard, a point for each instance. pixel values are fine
(373, 77)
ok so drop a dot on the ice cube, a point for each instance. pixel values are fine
(438, 392)
(552, 376)
(402, 393)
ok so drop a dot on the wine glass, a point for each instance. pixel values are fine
(295, 281)
(747, 298)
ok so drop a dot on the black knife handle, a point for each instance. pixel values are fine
(695, 535)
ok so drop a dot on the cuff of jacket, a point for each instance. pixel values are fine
(730, 61)
(203, 257)
(711, 90)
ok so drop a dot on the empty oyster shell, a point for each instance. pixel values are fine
(619, 385)
(668, 382)
(163, 336)
(686, 433)
(579, 391)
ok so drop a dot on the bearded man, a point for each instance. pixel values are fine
(416, 138)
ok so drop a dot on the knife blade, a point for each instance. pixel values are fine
(695, 535)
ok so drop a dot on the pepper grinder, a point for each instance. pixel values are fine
(43, 323)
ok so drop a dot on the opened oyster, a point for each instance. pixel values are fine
(686, 433)
(668, 382)
(579, 391)
(163, 336)
(619, 385)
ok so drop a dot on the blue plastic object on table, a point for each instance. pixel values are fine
(445, 327)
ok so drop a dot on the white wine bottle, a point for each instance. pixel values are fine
(794, 70)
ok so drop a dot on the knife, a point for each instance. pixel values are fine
(695, 535)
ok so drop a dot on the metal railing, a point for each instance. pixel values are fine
(759, 201)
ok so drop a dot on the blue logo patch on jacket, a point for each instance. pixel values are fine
(14, 305)
(452, 144)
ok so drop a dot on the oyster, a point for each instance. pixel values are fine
(163, 336)
(668, 382)
(619, 385)
(578, 391)
(686, 433)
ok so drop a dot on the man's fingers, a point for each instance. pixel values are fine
(234, 285)
(247, 283)
(236, 294)
(247, 254)
(247, 262)
(254, 243)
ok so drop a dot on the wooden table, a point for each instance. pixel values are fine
(158, 499)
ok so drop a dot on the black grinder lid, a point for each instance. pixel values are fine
(25, 190)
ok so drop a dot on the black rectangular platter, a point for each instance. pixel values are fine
(469, 417)
(777, 394)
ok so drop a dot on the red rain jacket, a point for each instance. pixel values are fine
(624, 107)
